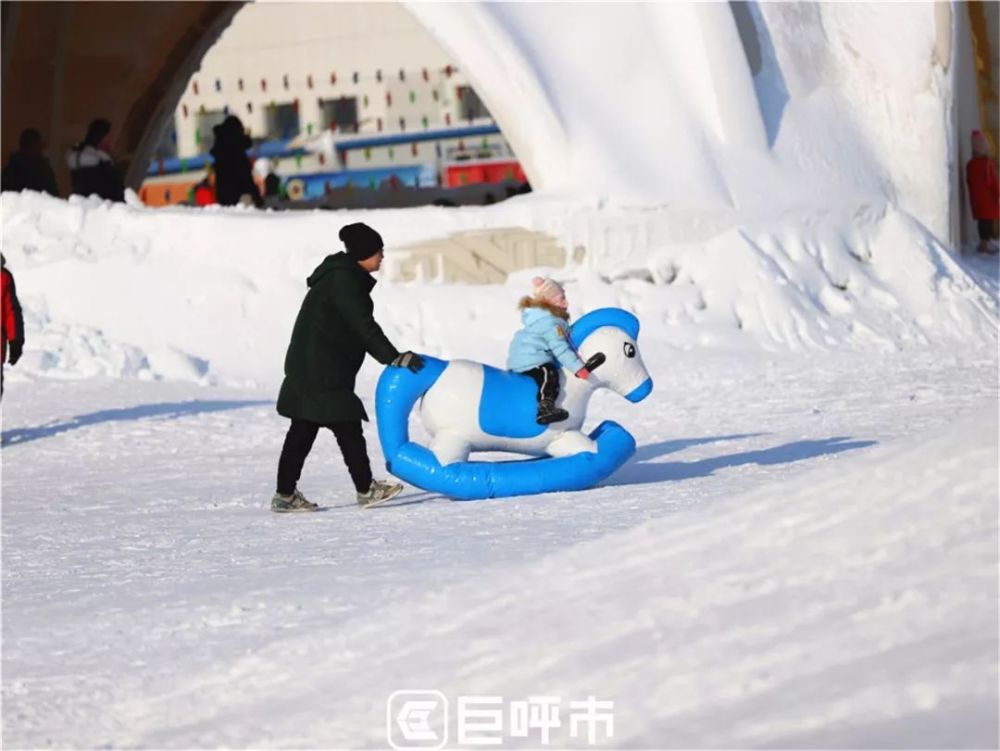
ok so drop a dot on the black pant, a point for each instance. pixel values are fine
(547, 378)
(299, 442)
(987, 229)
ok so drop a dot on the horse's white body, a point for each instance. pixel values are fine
(450, 413)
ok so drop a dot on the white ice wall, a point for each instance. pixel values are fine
(616, 99)
(654, 103)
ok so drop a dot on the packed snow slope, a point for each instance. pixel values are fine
(803, 553)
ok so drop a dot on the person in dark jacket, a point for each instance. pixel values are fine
(233, 175)
(11, 322)
(29, 168)
(334, 330)
(91, 168)
(274, 193)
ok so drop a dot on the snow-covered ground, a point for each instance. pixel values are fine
(802, 553)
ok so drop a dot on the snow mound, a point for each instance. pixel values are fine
(191, 294)
(61, 350)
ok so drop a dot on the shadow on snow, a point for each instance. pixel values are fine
(641, 472)
(164, 410)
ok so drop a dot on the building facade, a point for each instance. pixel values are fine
(344, 93)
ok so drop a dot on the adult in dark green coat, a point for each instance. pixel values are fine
(334, 330)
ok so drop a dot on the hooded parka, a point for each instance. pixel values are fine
(334, 329)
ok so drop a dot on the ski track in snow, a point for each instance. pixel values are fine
(789, 560)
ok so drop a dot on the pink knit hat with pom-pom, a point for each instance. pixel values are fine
(549, 290)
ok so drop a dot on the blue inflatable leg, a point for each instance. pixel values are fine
(471, 481)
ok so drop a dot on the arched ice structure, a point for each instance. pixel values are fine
(725, 107)
(709, 107)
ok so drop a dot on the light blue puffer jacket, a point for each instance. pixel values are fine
(544, 338)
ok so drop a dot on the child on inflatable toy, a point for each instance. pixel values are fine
(543, 340)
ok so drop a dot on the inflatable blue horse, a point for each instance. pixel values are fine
(449, 393)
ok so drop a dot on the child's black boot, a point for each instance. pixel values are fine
(549, 413)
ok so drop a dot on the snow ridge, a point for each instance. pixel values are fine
(211, 296)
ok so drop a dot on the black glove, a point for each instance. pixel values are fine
(16, 347)
(410, 360)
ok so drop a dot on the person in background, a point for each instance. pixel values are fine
(11, 322)
(233, 173)
(203, 192)
(272, 191)
(91, 168)
(28, 167)
(984, 193)
(334, 330)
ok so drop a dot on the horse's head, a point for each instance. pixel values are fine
(612, 332)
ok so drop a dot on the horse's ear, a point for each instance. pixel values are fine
(601, 317)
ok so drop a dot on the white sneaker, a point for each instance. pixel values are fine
(379, 493)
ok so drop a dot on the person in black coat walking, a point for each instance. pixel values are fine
(233, 175)
(334, 330)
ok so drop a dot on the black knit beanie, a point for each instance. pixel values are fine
(360, 240)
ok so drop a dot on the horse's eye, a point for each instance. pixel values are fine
(629, 349)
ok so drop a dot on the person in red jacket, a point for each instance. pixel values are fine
(203, 193)
(11, 323)
(984, 192)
